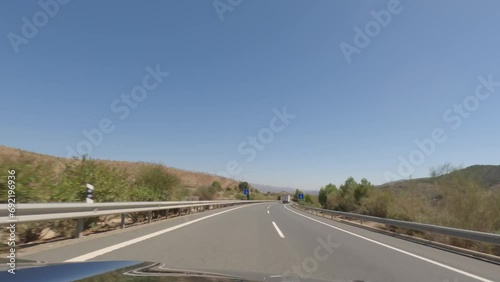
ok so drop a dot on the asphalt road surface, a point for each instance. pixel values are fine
(273, 239)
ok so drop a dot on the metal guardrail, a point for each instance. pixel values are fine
(56, 208)
(25, 213)
(448, 231)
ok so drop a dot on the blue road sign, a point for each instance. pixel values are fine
(246, 192)
(301, 196)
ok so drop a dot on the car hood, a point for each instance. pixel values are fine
(124, 271)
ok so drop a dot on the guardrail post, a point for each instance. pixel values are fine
(150, 214)
(122, 225)
(166, 214)
(79, 228)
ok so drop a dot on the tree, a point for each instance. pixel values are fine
(217, 186)
(324, 192)
(243, 185)
(349, 197)
(308, 199)
(349, 185)
(361, 190)
(296, 196)
(345, 200)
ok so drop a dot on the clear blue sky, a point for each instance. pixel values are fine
(227, 76)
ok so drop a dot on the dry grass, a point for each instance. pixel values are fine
(189, 179)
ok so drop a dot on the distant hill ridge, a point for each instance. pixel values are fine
(487, 175)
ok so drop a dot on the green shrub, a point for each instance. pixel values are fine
(241, 197)
(206, 193)
(377, 203)
(109, 183)
(217, 186)
(35, 179)
(155, 184)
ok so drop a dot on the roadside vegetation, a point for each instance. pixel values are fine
(461, 198)
(308, 201)
(43, 179)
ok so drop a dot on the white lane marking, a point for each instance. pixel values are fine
(142, 238)
(278, 230)
(399, 250)
(268, 212)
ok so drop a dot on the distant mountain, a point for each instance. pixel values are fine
(281, 190)
(273, 189)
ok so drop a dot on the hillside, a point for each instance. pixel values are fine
(37, 171)
(488, 176)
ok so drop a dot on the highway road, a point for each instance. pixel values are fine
(272, 239)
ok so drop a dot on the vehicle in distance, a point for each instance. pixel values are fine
(285, 199)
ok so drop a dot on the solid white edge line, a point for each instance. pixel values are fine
(278, 230)
(142, 238)
(399, 250)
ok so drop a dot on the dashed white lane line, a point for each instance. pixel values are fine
(278, 230)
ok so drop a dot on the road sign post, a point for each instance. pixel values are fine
(90, 194)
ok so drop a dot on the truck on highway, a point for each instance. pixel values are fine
(285, 199)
